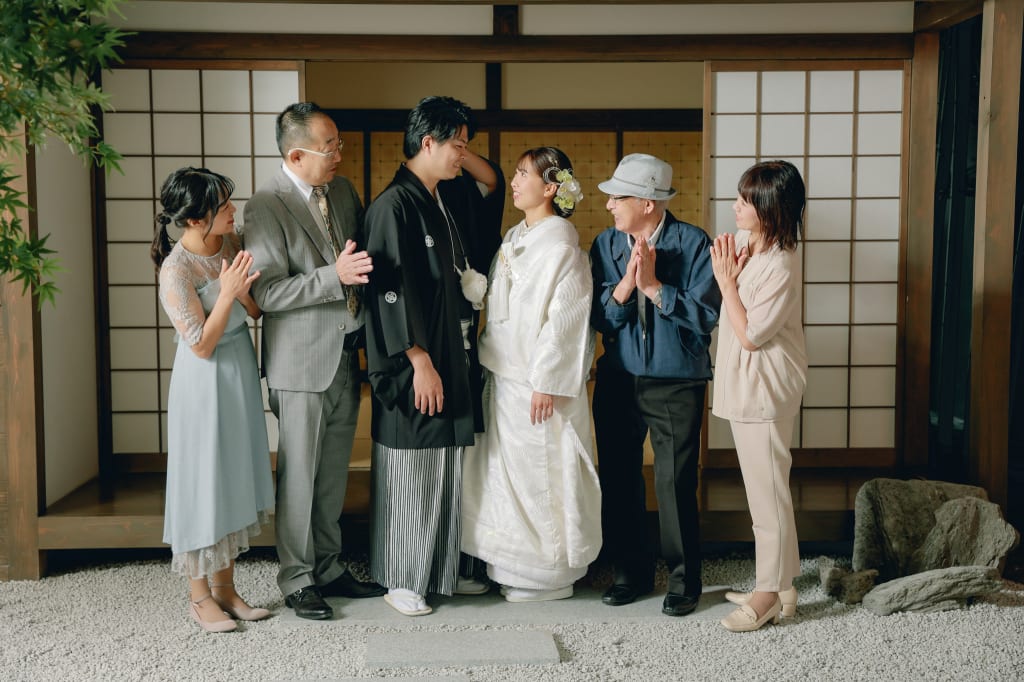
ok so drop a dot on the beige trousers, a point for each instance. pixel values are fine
(765, 461)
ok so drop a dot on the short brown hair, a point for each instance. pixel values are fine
(776, 191)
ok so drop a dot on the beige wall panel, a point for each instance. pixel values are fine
(399, 85)
(672, 85)
(69, 367)
(297, 17)
(662, 19)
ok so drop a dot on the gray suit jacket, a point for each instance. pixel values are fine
(305, 317)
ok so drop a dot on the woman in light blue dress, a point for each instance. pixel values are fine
(219, 487)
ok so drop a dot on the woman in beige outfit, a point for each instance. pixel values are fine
(760, 373)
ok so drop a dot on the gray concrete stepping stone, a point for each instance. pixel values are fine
(460, 649)
(431, 678)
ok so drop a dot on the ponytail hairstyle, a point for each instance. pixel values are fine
(188, 194)
(776, 191)
(549, 162)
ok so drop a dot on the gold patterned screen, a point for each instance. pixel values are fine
(592, 154)
(593, 160)
(386, 156)
(683, 152)
(351, 165)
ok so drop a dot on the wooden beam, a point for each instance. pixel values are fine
(996, 190)
(145, 46)
(534, 119)
(812, 526)
(21, 422)
(565, 2)
(917, 245)
(935, 16)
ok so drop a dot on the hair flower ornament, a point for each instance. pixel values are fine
(569, 193)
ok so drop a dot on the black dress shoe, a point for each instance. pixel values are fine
(308, 603)
(621, 594)
(345, 585)
(679, 604)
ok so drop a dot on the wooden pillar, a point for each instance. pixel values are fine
(20, 421)
(998, 125)
(923, 120)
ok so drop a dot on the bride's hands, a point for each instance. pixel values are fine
(542, 406)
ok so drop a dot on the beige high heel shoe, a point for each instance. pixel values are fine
(745, 619)
(240, 612)
(209, 625)
(787, 597)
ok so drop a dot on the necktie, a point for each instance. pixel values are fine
(351, 294)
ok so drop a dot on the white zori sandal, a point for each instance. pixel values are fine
(407, 602)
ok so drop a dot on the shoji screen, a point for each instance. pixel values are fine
(842, 126)
(162, 120)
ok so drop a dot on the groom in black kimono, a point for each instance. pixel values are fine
(421, 354)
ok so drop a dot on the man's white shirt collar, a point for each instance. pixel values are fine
(304, 187)
(654, 235)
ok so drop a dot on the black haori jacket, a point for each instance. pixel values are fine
(414, 298)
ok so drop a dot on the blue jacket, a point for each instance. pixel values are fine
(675, 345)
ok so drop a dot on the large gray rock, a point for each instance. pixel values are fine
(893, 518)
(941, 589)
(968, 532)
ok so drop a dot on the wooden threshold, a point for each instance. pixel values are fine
(134, 516)
(811, 526)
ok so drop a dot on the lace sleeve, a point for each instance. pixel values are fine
(181, 302)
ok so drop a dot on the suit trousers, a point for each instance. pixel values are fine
(314, 447)
(626, 407)
(765, 461)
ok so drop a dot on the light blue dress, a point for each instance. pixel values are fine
(219, 486)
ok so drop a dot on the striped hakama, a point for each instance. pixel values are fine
(416, 524)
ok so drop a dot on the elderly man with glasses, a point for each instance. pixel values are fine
(655, 305)
(303, 228)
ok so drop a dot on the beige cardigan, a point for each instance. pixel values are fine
(766, 384)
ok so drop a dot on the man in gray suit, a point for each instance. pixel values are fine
(301, 228)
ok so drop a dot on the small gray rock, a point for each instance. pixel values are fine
(830, 575)
(846, 586)
(941, 589)
(854, 586)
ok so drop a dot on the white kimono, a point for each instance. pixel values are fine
(531, 503)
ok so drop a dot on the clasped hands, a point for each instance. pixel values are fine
(639, 272)
(726, 264)
(353, 267)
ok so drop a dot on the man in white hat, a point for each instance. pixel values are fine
(655, 304)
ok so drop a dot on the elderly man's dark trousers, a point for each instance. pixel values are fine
(625, 408)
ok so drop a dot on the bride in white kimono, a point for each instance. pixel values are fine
(531, 505)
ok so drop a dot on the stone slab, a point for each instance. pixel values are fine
(420, 678)
(459, 649)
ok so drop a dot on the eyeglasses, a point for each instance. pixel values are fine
(619, 197)
(326, 155)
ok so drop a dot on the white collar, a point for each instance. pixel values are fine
(304, 187)
(654, 235)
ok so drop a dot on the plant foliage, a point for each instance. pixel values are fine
(50, 51)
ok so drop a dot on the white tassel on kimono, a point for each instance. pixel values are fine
(474, 286)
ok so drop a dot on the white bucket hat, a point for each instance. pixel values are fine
(640, 175)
